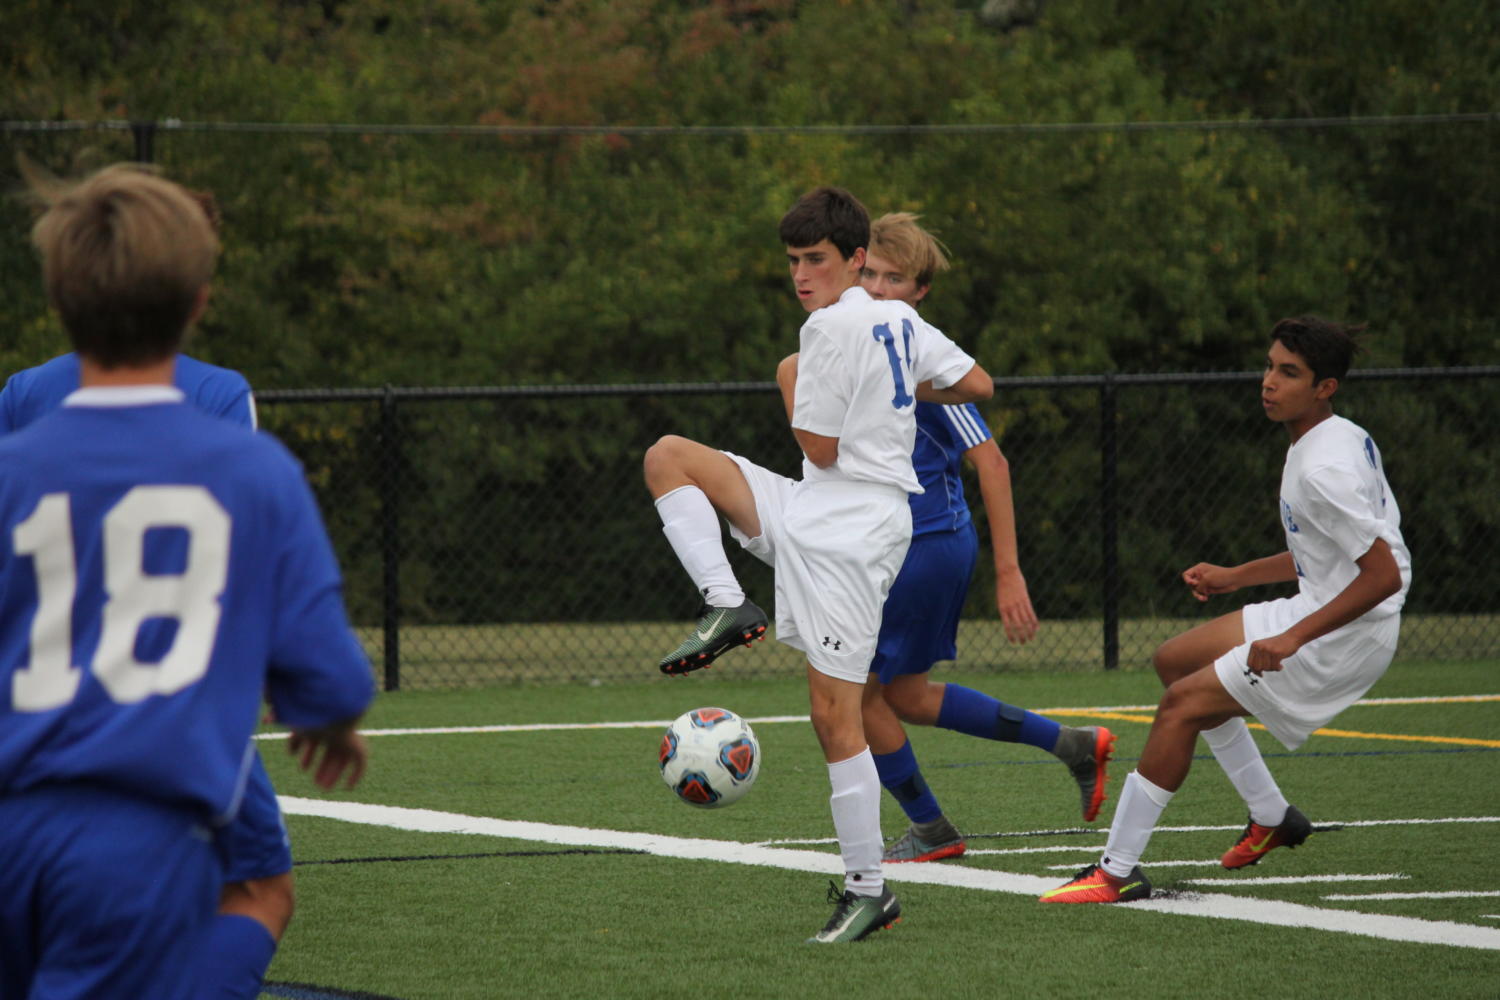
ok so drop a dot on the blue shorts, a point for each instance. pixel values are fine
(919, 625)
(255, 844)
(102, 894)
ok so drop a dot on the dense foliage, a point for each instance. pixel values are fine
(368, 257)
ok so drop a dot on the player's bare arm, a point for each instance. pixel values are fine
(975, 387)
(786, 381)
(1379, 577)
(1012, 599)
(1207, 579)
(820, 450)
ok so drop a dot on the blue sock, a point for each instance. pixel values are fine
(233, 957)
(902, 777)
(974, 713)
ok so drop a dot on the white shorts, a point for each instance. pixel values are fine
(1315, 684)
(836, 548)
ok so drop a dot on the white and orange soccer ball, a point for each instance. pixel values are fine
(709, 757)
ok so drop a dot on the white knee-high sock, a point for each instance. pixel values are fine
(692, 526)
(855, 803)
(1235, 750)
(1141, 805)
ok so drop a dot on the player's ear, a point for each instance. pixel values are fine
(920, 293)
(200, 305)
(1326, 389)
(857, 259)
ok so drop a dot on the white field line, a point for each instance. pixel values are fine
(1235, 883)
(1392, 928)
(1461, 894)
(539, 727)
(1070, 849)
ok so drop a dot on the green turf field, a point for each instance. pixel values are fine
(613, 891)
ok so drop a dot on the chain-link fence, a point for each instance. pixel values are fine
(494, 535)
(503, 534)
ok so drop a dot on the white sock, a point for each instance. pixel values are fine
(856, 820)
(1235, 750)
(1141, 805)
(692, 526)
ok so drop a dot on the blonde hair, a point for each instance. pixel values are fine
(126, 254)
(897, 237)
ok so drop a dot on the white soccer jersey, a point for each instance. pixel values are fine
(1335, 502)
(861, 360)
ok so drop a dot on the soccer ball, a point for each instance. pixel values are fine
(709, 757)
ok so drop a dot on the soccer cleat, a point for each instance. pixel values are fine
(1095, 885)
(926, 842)
(857, 917)
(716, 631)
(1086, 750)
(1258, 840)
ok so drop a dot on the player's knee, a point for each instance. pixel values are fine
(1172, 707)
(1183, 705)
(907, 704)
(1170, 663)
(665, 461)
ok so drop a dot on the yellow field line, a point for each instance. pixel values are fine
(1459, 740)
(1344, 733)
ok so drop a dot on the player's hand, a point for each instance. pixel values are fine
(1268, 654)
(1206, 579)
(1014, 604)
(344, 751)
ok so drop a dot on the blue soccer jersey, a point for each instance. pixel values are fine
(35, 392)
(159, 570)
(944, 433)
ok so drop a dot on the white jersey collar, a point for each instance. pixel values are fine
(855, 291)
(124, 395)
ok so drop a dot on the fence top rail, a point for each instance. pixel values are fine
(373, 128)
(393, 393)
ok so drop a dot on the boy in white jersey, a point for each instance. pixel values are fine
(837, 537)
(1293, 663)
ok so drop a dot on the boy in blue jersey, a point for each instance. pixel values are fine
(258, 897)
(35, 392)
(919, 623)
(160, 570)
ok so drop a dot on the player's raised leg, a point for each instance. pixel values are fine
(692, 486)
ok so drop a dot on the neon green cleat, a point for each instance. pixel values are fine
(1257, 841)
(1095, 885)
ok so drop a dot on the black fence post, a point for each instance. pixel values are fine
(390, 536)
(145, 141)
(1110, 515)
